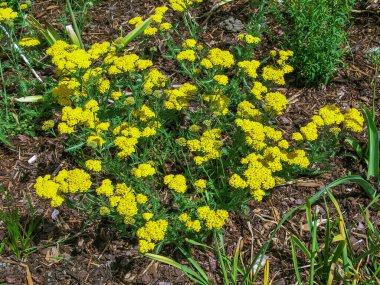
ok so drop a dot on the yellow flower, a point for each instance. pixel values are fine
(47, 125)
(297, 136)
(116, 95)
(189, 43)
(94, 165)
(104, 211)
(221, 79)
(28, 42)
(143, 170)
(147, 216)
(236, 182)
(276, 102)
(353, 120)
(165, 26)
(150, 31)
(200, 184)
(188, 55)
(176, 182)
(141, 198)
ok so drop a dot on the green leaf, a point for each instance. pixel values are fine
(373, 135)
(121, 43)
(356, 146)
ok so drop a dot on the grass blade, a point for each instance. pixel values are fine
(75, 25)
(373, 135)
(133, 34)
(295, 261)
(194, 263)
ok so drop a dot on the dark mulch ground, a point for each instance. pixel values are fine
(98, 255)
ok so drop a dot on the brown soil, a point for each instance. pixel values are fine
(94, 253)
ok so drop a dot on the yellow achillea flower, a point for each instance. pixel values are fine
(99, 49)
(154, 79)
(150, 31)
(254, 133)
(136, 21)
(143, 170)
(200, 184)
(249, 39)
(147, 216)
(250, 67)
(310, 131)
(221, 79)
(194, 128)
(274, 74)
(247, 110)
(213, 219)
(159, 13)
(3, 4)
(188, 55)
(331, 115)
(335, 130)
(237, 182)
(176, 182)
(257, 89)
(353, 120)
(106, 189)
(283, 144)
(144, 114)
(317, 120)
(47, 125)
(177, 99)
(66, 181)
(28, 42)
(116, 95)
(7, 15)
(219, 103)
(165, 26)
(181, 141)
(208, 145)
(220, 58)
(297, 136)
(189, 43)
(298, 157)
(143, 64)
(141, 198)
(152, 231)
(104, 211)
(94, 165)
(95, 141)
(182, 5)
(191, 225)
(276, 102)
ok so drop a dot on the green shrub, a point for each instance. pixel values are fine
(315, 31)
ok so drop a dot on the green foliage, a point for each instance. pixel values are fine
(332, 258)
(19, 231)
(315, 31)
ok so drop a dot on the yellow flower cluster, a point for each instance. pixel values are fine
(276, 74)
(208, 144)
(353, 120)
(66, 89)
(154, 79)
(152, 231)
(67, 181)
(143, 170)
(213, 219)
(159, 13)
(254, 133)
(28, 42)
(7, 15)
(200, 184)
(68, 58)
(221, 79)
(73, 117)
(189, 43)
(218, 58)
(249, 67)
(177, 99)
(104, 211)
(47, 125)
(99, 49)
(247, 110)
(194, 225)
(257, 89)
(330, 116)
(122, 198)
(276, 102)
(219, 103)
(126, 140)
(123, 64)
(188, 55)
(93, 165)
(176, 182)
(144, 114)
(249, 39)
(182, 5)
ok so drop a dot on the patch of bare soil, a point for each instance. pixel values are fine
(94, 253)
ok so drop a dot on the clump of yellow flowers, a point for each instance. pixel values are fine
(170, 143)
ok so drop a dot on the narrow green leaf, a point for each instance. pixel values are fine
(30, 99)
(373, 135)
(133, 34)
(74, 147)
(194, 263)
(301, 246)
(295, 261)
(193, 242)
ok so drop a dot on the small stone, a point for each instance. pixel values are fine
(232, 24)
